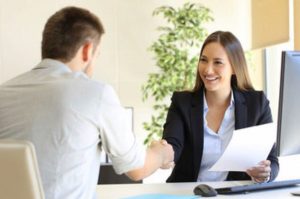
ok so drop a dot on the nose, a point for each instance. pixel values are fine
(208, 68)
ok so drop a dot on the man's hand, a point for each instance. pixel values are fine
(261, 172)
(166, 152)
(159, 154)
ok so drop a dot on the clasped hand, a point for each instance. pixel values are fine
(261, 172)
(166, 151)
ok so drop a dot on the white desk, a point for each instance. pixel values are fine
(127, 190)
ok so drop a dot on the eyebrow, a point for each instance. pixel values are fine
(215, 59)
(218, 59)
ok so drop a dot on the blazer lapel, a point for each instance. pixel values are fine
(197, 129)
(240, 110)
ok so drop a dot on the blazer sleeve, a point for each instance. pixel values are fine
(266, 114)
(261, 106)
(173, 131)
(266, 117)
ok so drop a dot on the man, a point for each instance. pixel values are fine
(67, 116)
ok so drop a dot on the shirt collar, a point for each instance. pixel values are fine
(57, 65)
(205, 107)
(46, 63)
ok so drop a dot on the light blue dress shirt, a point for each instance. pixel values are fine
(216, 143)
(66, 116)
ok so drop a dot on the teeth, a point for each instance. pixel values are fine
(211, 78)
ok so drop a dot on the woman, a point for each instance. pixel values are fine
(200, 122)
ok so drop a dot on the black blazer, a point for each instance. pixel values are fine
(184, 130)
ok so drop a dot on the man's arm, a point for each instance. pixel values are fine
(158, 155)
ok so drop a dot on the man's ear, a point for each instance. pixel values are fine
(87, 51)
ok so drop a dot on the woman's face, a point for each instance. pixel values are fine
(214, 68)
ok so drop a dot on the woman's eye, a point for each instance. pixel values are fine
(203, 60)
(218, 63)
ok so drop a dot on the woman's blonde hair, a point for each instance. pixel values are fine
(235, 53)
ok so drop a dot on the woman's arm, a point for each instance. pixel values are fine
(173, 131)
(266, 170)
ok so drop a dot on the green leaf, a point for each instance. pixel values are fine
(183, 34)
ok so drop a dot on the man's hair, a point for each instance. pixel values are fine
(67, 30)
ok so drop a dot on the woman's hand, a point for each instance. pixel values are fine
(167, 164)
(261, 172)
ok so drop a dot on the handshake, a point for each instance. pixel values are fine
(164, 152)
(159, 154)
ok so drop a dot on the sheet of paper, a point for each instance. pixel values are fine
(247, 148)
(161, 196)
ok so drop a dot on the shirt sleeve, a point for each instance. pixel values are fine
(116, 134)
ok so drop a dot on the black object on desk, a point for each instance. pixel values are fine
(296, 193)
(258, 187)
(108, 176)
(205, 190)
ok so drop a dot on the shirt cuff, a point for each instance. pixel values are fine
(132, 159)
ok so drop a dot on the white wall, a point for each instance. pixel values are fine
(21, 25)
(289, 167)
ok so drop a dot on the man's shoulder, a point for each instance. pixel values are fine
(87, 83)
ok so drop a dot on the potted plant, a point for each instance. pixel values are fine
(176, 53)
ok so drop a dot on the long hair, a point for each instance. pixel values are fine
(241, 79)
(67, 30)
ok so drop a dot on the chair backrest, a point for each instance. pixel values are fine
(107, 175)
(19, 173)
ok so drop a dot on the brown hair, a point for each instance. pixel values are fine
(236, 57)
(67, 30)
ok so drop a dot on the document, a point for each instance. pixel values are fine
(247, 148)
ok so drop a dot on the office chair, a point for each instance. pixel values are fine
(19, 173)
(108, 176)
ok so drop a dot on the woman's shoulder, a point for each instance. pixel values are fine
(183, 98)
(254, 95)
(183, 95)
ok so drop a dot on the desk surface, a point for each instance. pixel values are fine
(127, 190)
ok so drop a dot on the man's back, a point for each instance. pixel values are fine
(67, 116)
(58, 111)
